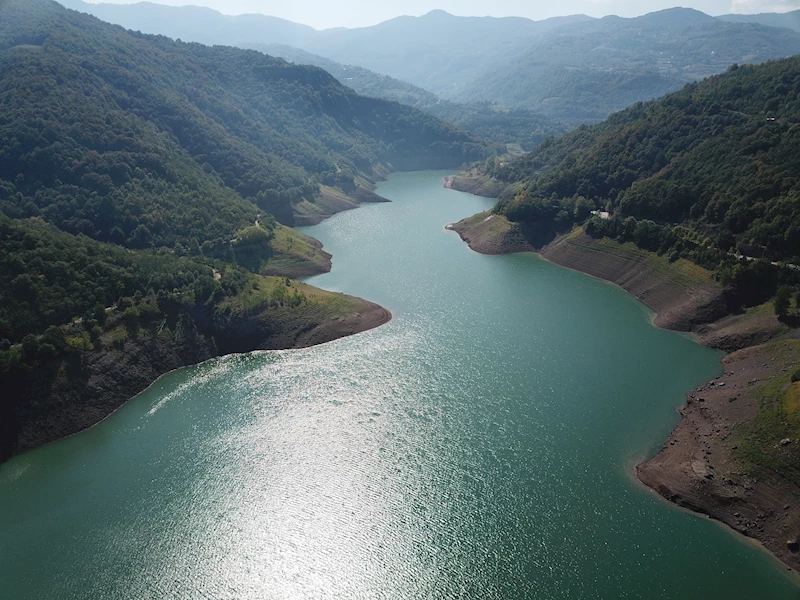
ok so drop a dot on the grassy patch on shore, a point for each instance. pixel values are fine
(478, 184)
(760, 442)
(275, 293)
(495, 227)
(296, 255)
(329, 202)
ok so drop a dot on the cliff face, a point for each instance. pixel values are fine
(75, 393)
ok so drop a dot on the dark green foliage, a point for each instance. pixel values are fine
(783, 299)
(121, 139)
(48, 278)
(142, 141)
(252, 246)
(719, 158)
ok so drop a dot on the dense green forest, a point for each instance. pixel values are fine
(50, 278)
(144, 141)
(709, 173)
(135, 164)
(488, 120)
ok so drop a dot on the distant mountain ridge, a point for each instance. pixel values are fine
(497, 123)
(573, 68)
(196, 23)
(790, 20)
(589, 70)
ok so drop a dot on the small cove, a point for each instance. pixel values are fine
(476, 446)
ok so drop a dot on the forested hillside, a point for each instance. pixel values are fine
(140, 142)
(708, 173)
(141, 184)
(488, 120)
(132, 139)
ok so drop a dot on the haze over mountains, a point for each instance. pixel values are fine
(576, 68)
(511, 126)
(790, 20)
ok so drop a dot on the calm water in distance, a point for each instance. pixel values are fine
(478, 446)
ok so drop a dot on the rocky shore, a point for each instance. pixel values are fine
(701, 466)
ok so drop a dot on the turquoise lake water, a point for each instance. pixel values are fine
(478, 446)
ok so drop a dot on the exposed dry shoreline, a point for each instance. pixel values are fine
(697, 468)
(332, 201)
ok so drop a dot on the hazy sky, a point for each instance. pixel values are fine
(355, 13)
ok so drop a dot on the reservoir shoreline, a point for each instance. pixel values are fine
(111, 378)
(696, 468)
(479, 445)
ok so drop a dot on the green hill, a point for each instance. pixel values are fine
(145, 141)
(706, 173)
(180, 151)
(143, 183)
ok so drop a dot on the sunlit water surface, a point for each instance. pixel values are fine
(478, 446)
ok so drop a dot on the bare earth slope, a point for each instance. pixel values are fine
(681, 293)
(491, 234)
